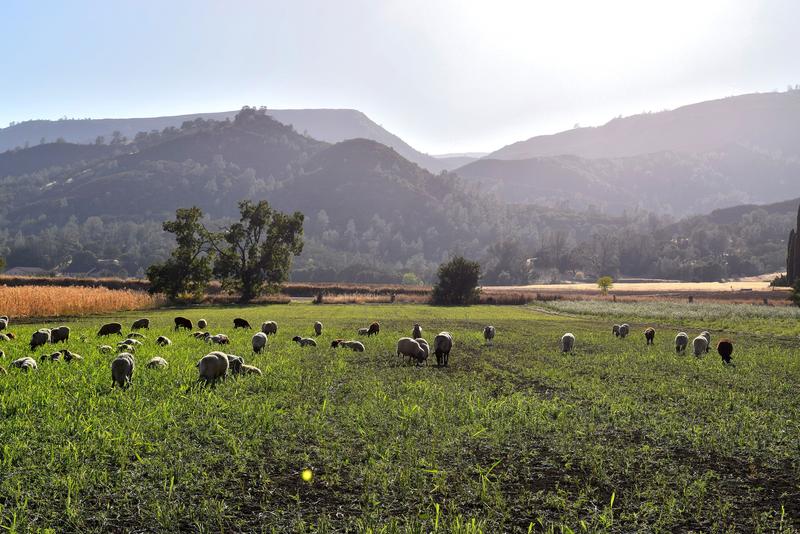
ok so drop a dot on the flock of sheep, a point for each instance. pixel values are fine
(700, 345)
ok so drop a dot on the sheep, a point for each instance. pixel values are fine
(425, 348)
(442, 345)
(259, 341)
(54, 357)
(355, 346)
(241, 323)
(567, 342)
(374, 329)
(269, 327)
(136, 335)
(213, 366)
(488, 333)
(304, 341)
(202, 324)
(140, 324)
(411, 348)
(3, 322)
(615, 330)
(39, 338)
(235, 363)
(681, 342)
(238, 367)
(219, 339)
(163, 341)
(624, 330)
(336, 342)
(11, 335)
(363, 331)
(318, 328)
(725, 349)
(133, 342)
(199, 335)
(25, 364)
(157, 362)
(124, 347)
(70, 356)
(417, 331)
(122, 370)
(4, 337)
(700, 345)
(706, 334)
(110, 328)
(650, 335)
(249, 370)
(105, 349)
(183, 322)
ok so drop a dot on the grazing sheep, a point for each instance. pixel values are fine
(304, 341)
(157, 362)
(411, 348)
(624, 330)
(105, 349)
(199, 335)
(700, 345)
(122, 370)
(241, 323)
(140, 324)
(355, 346)
(318, 328)
(3, 322)
(134, 342)
(374, 329)
(136, 335)
(488, 333)
(163, 341)
(259, 341)
(249, 370)
(54, 357)
(60, 334)
(363, 331)
(4, 337)
(442, 345)
(336, 342)
(681, 342)
(25, 364)
(39, 338)
(615, 330)
(11, 335)
(202, 324)
(183, 322)
(110, 328)
(650, 335)
(124, 347)
(213, 366)
(567, 342)
(725, 349)
(425, 348)
(417, 331)
(269, 327)
(219, 339)
(70, 356)
(706, 334)
(238, 367)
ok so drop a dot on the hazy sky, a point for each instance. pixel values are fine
(447, 76)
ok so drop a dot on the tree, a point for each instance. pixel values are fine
(188, 269)
(2, 264)
(605, 283)
(255, 254)
(458, 282)
(796, 293)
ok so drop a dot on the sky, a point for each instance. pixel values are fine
(445, 75)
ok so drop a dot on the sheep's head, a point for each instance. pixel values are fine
(296, 339)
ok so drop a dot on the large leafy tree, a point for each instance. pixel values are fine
(458, 282)
(255, 254)
(188, 269)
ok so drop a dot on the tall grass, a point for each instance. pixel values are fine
(46, 301)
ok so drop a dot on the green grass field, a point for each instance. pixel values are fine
(516, 436)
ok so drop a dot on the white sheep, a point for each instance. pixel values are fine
(157, 362)
(700, 345)
(425, 348)
(39, 338)
(25, 364)
(411, 348)
(488, 333)
(355, 346)
(57, 335)
(442, 345)
(213, 366)
(681, 342)
(304, 341)
(238, 367)
(706, 334)
(219, 339)
(259, 341)
(624, 330)
(567, 342)
(122, 370)
(318, 328)
(269, 327)
(417, 331)
(163, 341)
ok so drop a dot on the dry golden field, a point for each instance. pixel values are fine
(49, 301)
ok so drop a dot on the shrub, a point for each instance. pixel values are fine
(458, 282)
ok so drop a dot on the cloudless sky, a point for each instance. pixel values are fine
(445, 75)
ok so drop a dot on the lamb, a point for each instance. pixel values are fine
(567, 342)
(725, 349)
(249, 370)
(25, 364)
(157, 362)
(363, 331)
(163, 341)
(615, 330)
(202, 324)
(374, 329)
(700, 345)
(241, 323)
(60, 334)
(411, 348)
(318, 328)
(39, 338)
(304, 341)
(219, 339)
(199, 335)
(124, 347)
(183, 322)
(110, 328)
(141, 324)
(650, 335)
(259, 341)
(136, 335)
(425, 348)
(442, 345)
(133, 342)
(3, 322)
(238, 367)
(355, 346)
(213, 367)
(122, 370)
(706, 334)
(54, 357)
(105, 349)
(417, 331)
(681, 342)
(624, 330)
(488, 333)
(269, 327)
(70, 357)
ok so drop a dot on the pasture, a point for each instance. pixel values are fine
(516, 436)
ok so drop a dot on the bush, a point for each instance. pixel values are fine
(458, 283)
(605, 283)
